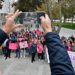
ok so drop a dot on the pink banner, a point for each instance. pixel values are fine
(23, 44)
(13, 46)
(72, 55)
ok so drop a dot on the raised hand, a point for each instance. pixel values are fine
(46, 23)
(10, 23)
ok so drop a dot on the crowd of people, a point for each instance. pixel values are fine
(26, 43)
(69, 43)
(31, 43)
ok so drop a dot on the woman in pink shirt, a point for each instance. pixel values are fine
(69, 45)
(40, 50)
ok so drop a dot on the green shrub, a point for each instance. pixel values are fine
(66, 25)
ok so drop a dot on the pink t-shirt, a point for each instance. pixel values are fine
(23, 44)
(20, 39)
(39, 48)
(69, 48)
(38, 32)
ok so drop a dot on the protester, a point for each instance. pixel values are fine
(22, 46)
(33, 50)
(40, 50)
(5, 49)
(68, 43)
(18, 51)
(73, 46)
(8, 54)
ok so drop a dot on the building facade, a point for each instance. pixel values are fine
(7, 8)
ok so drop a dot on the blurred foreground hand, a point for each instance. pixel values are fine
(10, 23)
(46, 23)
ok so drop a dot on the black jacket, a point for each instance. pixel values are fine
(33, 48)
(59, 59)
(60, 62)
(3, 36)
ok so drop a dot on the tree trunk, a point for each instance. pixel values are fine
(72, 19)
(60, 26)
(48, 3)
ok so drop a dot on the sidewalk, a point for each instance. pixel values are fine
(23, 66)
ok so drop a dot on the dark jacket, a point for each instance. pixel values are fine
(3, 36)
(33, 48)
(60, 62)
(59, 59)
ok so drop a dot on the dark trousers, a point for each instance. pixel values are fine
(8, 54)
(41, 55)
(18, 53)
(33, 57)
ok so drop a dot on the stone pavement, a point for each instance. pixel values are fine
(23, 66)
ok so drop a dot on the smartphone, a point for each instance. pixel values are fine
(30, 18)
(39, 14)
(26, 17)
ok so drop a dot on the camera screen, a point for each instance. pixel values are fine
(29, 18)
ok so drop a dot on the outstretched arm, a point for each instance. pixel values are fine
(60, 62)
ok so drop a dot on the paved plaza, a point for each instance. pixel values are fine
(23, 66)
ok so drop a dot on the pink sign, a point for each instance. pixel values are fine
(13, 46)
(72, 55)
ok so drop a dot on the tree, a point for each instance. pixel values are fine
(61, 8)
(31, 5)
(68, 8)
(55, 11)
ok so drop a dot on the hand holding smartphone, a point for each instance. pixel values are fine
(28, 18)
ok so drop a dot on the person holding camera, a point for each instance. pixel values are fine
(60, 62)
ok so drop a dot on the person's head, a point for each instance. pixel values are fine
(69, 43)
(73, 43)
